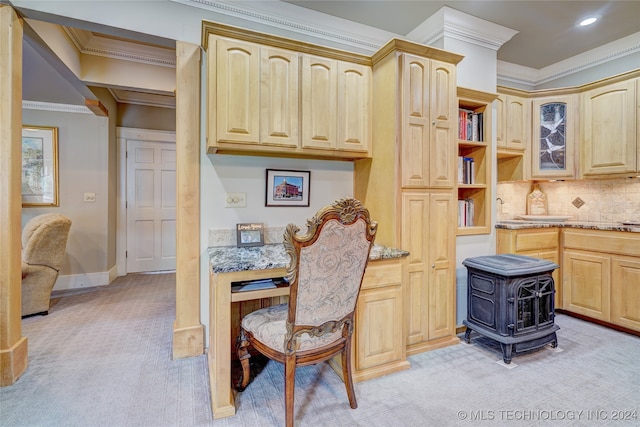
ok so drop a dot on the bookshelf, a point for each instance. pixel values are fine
(474, 161)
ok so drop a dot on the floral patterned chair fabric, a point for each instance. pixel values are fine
(325, 275)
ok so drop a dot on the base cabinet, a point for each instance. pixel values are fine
(625, 292)
(378, 346)
(603, 282)
(587, 284)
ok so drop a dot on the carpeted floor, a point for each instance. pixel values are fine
(102, 357)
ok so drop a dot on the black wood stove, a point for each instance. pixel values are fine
(510, 299)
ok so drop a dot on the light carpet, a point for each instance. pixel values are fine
(102, 357)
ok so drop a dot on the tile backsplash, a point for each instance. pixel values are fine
(605, 200)
(228, 237)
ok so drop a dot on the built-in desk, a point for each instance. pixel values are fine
(378, 347)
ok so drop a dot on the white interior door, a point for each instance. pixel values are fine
(151, 206)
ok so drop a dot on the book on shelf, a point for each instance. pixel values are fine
(470, 125)
(465, 213)
(466, 170)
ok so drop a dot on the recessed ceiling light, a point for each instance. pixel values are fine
(588, 21)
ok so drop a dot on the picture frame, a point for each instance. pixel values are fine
(39, 166)
(287, 187)
(250, 234)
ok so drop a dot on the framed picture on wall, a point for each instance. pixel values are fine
(39, 166)
(287, 188)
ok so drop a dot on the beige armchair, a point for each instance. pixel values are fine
(44, 242)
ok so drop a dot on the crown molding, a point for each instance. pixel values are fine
(301, 21)
(513, 73)
(93, 44)
(451, 23)
(51, 106)
(125, 96)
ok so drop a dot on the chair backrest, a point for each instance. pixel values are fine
(328, 264)
(44, 240)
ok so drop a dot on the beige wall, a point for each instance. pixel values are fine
(83, 163)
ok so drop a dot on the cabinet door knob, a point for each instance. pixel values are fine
(433, 266)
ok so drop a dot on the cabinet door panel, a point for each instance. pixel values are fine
(501, 122)
(319, 102)
(279, 97)
(517, 122)
(586, 284)
(625, 292)
(443, 109)
(441, 266)
(415, 122)
(415, 239)
(354, 94)
(238, 117)
(380, 341)
(609, 129)
(553, 140)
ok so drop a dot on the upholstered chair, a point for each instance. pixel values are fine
(325, 274)
(44, 242)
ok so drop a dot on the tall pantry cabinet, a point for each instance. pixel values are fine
(409, 183)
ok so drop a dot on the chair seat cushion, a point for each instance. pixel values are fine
(269, 326)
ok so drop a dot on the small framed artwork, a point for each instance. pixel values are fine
(250, 234)
(39, 166)
(287, 188)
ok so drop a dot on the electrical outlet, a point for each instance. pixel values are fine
(505, 208)
(235, 200)
(89, 197)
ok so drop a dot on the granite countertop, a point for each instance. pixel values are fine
(517, 224)
(227, 259)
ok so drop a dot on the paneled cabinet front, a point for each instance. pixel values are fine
(269, 100)
(430, 291)
(429, 123)
(609, 130)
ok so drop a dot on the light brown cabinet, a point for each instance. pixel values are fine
(603, 281)
(554, 139)
(428, 122)
(409, 184)
(512, 135)
(609, 130)
(277, 99)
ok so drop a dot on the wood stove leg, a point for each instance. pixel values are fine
(506, 352)
(467, 335)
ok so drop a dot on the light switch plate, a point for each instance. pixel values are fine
(235, 200)
(89, 197)
(505, 208)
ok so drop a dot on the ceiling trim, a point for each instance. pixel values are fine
(514, 73)
(52, 106)
(88, 43)
(301, 21)
(457, 25)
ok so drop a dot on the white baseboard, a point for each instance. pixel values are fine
(89, 280)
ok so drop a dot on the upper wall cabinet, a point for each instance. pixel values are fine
(513, 133)
(609, 130)
(553, 139)
(277, 97)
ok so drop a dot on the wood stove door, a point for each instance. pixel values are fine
(534, 304)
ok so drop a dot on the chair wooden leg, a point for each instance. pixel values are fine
(289, 387)
(346, 374)
(242, 348)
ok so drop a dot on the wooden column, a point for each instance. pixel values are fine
(188, 332)
(13, 346)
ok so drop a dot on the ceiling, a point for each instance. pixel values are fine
(547, 30)
(546, 34)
